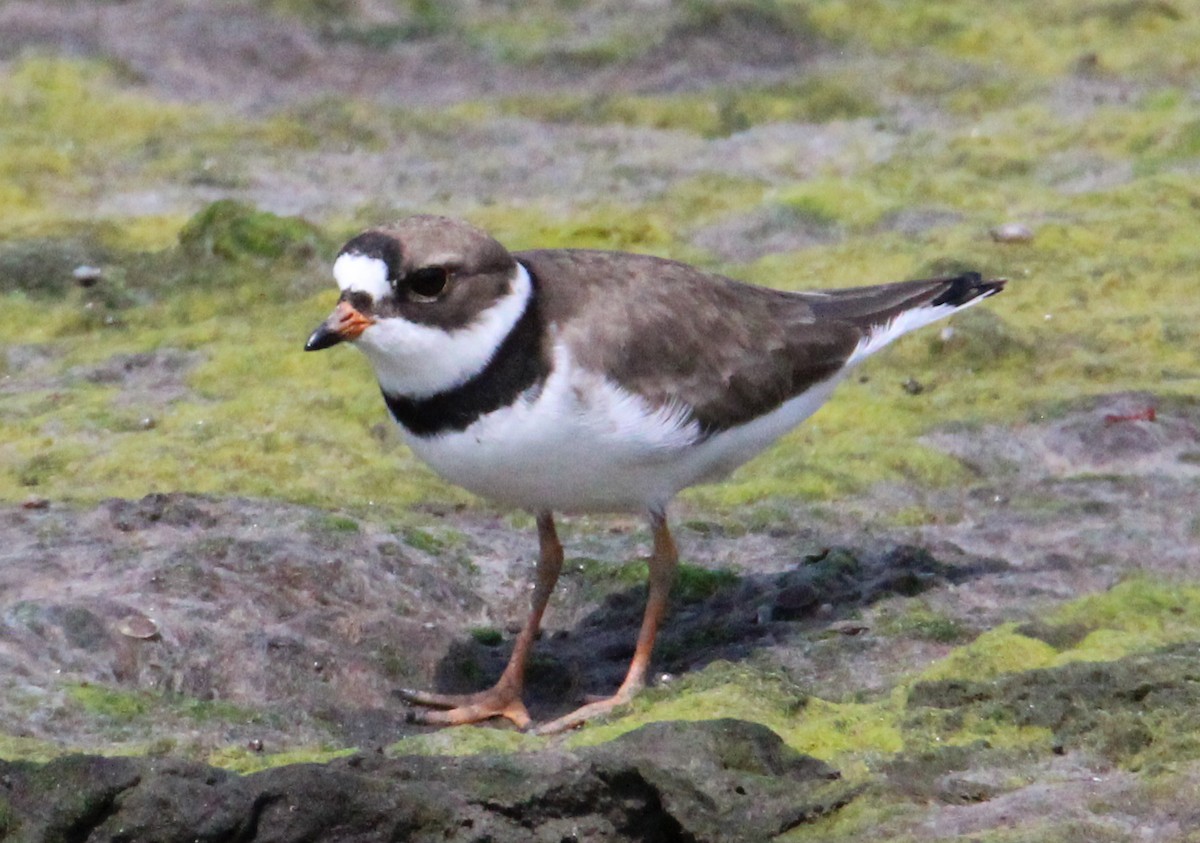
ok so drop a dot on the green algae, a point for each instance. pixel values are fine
(311, 11)
(1069, 299)
(856, 733)
(122, 707)
(919, 621)
(707, 197)
(713, 114)
(1135, 616)
(1168, 612)
(245, 760)
(853, 205)
(486, 635)
(1045, 39)
(67, 118)
(1132, 710)
(993, 653)
(692, 583)
(230, 432)
(867, 434)
(82, 128)
(598, 227)
(16, 748)
(424, 540)
(467, 740)
(71, 120)
(721, 687)
(333, 524)
(123, 722)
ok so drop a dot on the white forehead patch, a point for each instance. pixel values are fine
(362, 274)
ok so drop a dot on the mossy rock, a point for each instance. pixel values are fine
(232, 231)
(721, 779)
(1134, 711)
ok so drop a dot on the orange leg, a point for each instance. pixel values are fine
(663, 564)
(504, 698)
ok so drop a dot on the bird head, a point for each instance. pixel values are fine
(427, 299)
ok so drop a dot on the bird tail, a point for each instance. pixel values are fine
(961, 290)
(888, 311)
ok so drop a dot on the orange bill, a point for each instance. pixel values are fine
(344, 324)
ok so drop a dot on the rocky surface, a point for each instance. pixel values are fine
(722, 780)
(273, 626)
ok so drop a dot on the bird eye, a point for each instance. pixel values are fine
(428, 283)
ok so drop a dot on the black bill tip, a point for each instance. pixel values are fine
(322, 338)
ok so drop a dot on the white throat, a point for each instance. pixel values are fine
(417, 361)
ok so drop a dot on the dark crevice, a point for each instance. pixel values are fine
(805, 817)
(249, 831)
(96, 813)
(651, 823)
(631, 803)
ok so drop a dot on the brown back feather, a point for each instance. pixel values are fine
(674, 334)
(729, 351)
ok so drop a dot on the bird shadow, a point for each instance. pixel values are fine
(714, 615)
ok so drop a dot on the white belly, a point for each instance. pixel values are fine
(582, 444)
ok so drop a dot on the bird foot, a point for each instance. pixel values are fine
(497, 701)
(585, 713)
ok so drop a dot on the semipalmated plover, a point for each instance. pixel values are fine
(590, 381)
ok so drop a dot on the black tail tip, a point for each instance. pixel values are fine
(969, 286)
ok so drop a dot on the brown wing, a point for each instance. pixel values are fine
(671, 333)
(729, 351)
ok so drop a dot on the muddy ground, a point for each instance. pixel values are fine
(276, 626)
(189, 629)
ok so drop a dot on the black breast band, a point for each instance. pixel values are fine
(517, 365)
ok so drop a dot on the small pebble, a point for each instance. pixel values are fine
(913, 386)
(138, 626)
(255, 745)
(814, 558)
(1012, 232)
(87, 276)
(850, 628)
